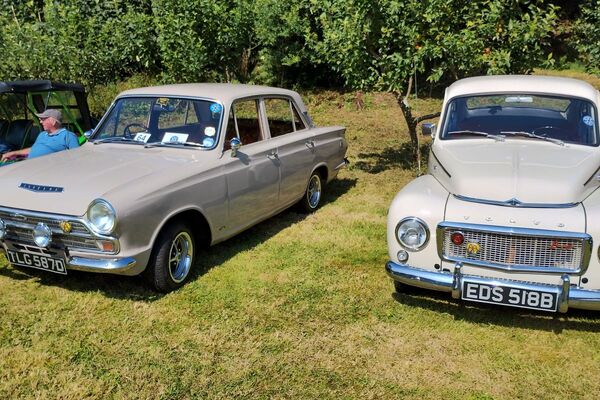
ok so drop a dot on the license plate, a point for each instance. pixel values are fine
(513, 296)
(38, 261)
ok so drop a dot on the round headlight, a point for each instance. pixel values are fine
(2, 229)
(102, 217)
(42, 235)
(412, 233)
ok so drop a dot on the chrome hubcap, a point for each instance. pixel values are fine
(180, 257)
(313, 194)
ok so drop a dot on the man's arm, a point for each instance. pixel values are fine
(14, 154)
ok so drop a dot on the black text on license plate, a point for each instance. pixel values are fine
(509, 296)
(39, 261)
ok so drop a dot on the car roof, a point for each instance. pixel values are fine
(223, 92)
(38, 86)
(552, 85)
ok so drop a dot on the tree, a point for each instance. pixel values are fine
(379, 45)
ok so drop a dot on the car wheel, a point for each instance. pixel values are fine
(312, 196)
(172, 258)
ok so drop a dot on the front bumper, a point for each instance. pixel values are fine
(569, 296)
(110, 266)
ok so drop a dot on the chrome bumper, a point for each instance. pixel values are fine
(111, 266)
(569, 296)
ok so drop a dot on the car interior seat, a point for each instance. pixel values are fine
(17, 133)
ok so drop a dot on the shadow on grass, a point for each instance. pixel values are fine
(391, 157)
(579, 320)
(135, 288)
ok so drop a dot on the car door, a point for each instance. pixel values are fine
(295, 147)
(253, 173)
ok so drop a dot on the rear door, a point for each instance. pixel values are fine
(292, 138)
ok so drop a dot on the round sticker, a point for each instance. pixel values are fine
(174, 139)
(210, 131)
(588, 120)
(208, 142)
(215, 108)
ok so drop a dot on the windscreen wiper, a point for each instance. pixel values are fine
(173, 144)
(117, 139)
(533, 136)
(498, 138)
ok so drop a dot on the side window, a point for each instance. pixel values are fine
(280, 117)
(245, 114)
(231, 130)
(297, 120)
(173, 113)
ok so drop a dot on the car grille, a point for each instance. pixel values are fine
(20, 227)
(517, 249)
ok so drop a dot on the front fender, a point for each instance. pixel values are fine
(425, 199)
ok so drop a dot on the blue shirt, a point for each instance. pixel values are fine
(47, 143)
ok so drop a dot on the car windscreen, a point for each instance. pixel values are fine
(162, 120)
(564, 119)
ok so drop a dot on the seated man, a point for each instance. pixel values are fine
(54, 138)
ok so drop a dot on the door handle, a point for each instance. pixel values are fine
(310, 144)
(273, 155)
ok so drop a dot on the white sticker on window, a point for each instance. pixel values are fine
(142, 137)
(210, 131)
(172, 137)
(588, 120)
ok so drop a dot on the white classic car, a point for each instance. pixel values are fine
(505, 214)
(168, 169)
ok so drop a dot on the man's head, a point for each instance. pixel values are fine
(50, 119)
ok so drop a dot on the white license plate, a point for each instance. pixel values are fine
(38, 261)
(512, 296)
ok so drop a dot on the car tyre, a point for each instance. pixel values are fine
(172, 258)
(313, 193)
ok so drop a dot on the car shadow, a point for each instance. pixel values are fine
(135, 287)
(391, 158)
(480, 313)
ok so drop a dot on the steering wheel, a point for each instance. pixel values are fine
(127, 132)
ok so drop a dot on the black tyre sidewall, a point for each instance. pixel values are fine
(157, 271)
(304, 204)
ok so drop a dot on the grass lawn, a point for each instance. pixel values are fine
(296, 307)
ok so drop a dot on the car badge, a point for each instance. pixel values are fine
(473, 248)
(65, 226)
(556, 245)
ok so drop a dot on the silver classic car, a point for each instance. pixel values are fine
(505, 214)
(169, 169)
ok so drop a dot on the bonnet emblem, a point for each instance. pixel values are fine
(40, 188)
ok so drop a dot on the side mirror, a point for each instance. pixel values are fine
(428, 129)
(235, 144)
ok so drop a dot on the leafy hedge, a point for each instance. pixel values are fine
(357, 43)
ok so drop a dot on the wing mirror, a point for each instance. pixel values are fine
(235, 145)
(428, 129)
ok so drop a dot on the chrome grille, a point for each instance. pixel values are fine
(517, 249)
(20, 226)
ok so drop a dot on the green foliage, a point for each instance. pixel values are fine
(587, 31)
(379, 44)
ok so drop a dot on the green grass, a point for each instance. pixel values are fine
(296, 307)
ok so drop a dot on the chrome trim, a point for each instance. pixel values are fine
(440, 164)
(23, 215)
(40, 188)
(101, 265)
(570, 296)
(420, 221)
(514, 203)
(584, 237)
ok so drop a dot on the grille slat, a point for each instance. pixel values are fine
(510, 250)
(20, 230)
